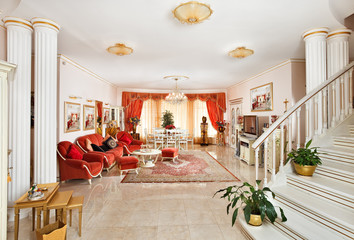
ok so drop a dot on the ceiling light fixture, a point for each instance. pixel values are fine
(192, 12)
(120, 49)
(176, 97)
(241, 52)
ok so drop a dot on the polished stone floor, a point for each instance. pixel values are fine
(113, 210)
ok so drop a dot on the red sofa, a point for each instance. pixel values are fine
(110, 157)
(130, 145)
(89, 167)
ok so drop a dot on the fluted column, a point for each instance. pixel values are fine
(5, 68)
(338, 58)
(45, 125)
(315, 41)
(19, 44)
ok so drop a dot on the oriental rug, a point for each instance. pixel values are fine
(191, 166)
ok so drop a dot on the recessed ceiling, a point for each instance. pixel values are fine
(163, 46)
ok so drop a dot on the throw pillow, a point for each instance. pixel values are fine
(88, 145)
(110, 143)
(125, 139)
(74, 153)
(97, 148)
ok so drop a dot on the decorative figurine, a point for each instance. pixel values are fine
(34, 193)
(204, 132)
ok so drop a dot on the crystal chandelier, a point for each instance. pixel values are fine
(176, 96)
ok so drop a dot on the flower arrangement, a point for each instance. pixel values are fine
(240, 120)
(134, 120)
(221, 123)
(171, 126)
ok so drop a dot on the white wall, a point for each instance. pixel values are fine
(75, 80)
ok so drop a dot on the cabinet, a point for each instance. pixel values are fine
(269, 149)
(117, 114)
(247, 153)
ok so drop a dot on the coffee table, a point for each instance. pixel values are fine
(143, 153)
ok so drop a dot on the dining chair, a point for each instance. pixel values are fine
(183, 139)
(171, 138)
(159, 138)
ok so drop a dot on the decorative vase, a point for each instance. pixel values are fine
(255, 220)
(221, 129)
(306, 170)
(134, 128)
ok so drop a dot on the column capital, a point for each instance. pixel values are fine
(343, 32)
(315, 32)
(18, 22)
(47, 23)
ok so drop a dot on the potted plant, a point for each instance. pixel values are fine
(305, 159)
(167, 118)
(255, 203)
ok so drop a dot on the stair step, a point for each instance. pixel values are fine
(337, 154)
(323, 212)
(344, 141)
(336, 170)
(338, 192)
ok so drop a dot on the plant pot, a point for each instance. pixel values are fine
(306, 170)
(255, 220)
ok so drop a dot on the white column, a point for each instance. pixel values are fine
(5, 68)
(19, 45)
(337, 59)
(315, 41)
(45, 75)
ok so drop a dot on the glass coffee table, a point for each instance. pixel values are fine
(146, 156)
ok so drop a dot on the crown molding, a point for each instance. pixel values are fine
(75, 64)
(286, 62)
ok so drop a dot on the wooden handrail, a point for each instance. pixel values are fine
(299, 104)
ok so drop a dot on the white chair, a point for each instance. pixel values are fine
(190, 138)
(159, 138)
(171, 138)
(183, 139)
(149, 137)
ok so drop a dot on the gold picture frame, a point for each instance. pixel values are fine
(89, 117)
(72, 116)
(262, 98)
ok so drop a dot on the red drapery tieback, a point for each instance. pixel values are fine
(133, 104)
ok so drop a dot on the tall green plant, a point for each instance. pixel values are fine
(305, 156)
(253, 201)
(167, 118)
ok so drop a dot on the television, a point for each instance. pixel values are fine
(250, 125)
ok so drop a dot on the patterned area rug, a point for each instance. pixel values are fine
(191, 166)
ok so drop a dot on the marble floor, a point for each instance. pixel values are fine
(114, 210)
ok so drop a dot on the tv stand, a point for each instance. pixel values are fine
(246, 151)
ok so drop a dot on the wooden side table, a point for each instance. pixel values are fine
(23, 202)
(136, 136)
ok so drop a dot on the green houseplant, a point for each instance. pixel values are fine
(167, 118)
(305, 159)
(254, 202)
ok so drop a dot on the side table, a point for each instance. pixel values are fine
(136, 136)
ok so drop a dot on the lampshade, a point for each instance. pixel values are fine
(176, 97)
(192, 12)
(241, 52)
(120, 49)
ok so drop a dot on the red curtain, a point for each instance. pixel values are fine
(133, 104)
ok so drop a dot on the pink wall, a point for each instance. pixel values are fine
(74, 80)
(2, 43)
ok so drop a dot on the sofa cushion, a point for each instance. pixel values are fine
(125, 139)
(97, 148)
(88, 145)
(117, 152)
(110, 143)
(74, 153)
(94, 138)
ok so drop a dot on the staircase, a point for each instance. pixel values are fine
(321, 206)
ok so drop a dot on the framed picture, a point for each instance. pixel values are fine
(72, 117)
(89, 117)
(106, 115)
(262, 98)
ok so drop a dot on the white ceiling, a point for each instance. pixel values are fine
(163, 46)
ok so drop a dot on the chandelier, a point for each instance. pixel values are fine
(241, 52)
(192, 12)
(176, 96)
(120, 49)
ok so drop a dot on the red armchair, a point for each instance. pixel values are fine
(89, 167)
(110, 157)
(128, 142)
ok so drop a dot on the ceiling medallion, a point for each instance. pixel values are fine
(192, 12)
(176, 97)
(241, 52)
(120, 49)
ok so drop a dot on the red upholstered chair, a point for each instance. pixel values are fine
(110, 157)
(169, 153)
(89, 167)
(127, 163)
(129, 144)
